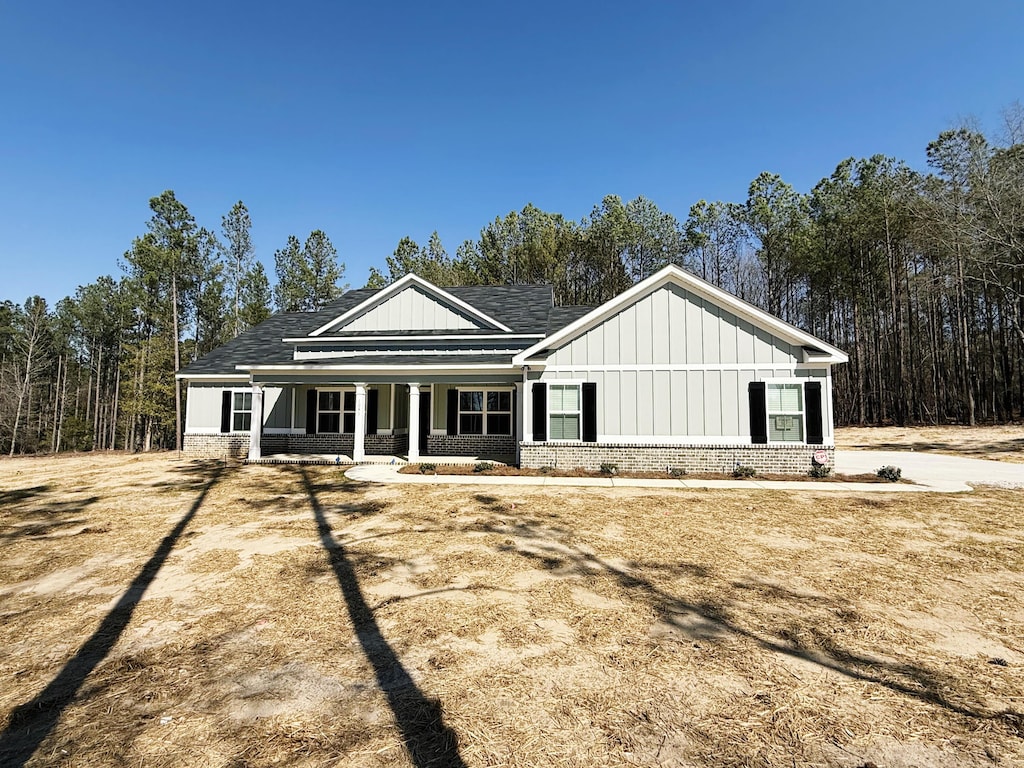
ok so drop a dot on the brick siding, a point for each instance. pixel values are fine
(219, 446)
(503, 446)
(796, 459)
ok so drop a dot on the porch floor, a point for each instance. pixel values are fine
(341, 458)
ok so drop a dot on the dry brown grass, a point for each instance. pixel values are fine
(1001, 443)
(306, 620)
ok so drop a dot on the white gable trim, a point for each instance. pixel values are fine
(684, 279)
(400, 285)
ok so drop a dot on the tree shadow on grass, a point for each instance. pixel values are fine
(713, 620)
(427, 739)
(39, 511)
(32, 722)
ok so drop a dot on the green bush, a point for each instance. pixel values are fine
(546, 470)
(427, 468)
(483, 466)
(743, 472)
(609, 469)
(820, 470)
(890, 473)
(676, 471)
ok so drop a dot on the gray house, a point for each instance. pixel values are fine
(672, 373)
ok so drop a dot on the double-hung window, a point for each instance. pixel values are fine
(785, 406)
(564, 413)
(485, 412)
(241, 411)
(336, 411)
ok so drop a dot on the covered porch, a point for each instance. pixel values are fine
(442, 418)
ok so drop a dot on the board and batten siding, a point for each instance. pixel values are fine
(203, 405)
(409, 310)
(676, 340)
(674, 326)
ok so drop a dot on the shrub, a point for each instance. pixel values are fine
(546, 470)
(890, 473)
(427, 468)
(609, 469)
(743, 472)
(675, 471)
(820, 470)
(483, 466)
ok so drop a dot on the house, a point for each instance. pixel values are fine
(672, 373)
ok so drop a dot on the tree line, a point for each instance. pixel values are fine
(918, 275)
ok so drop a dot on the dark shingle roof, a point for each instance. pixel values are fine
(526, 309)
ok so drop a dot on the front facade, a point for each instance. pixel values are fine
(672, 374)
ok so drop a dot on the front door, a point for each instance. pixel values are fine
(424, 421)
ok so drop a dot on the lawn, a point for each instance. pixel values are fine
(157, 612)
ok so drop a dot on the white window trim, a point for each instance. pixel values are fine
(484, 412)
(802, 414)
(233, 431)
(578, 383)
(341, 412)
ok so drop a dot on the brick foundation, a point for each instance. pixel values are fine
(633, 457)
(220, 446)
(494, 446)
(215, 446)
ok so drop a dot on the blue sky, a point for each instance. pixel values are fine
(388, 119)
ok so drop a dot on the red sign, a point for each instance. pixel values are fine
(821, 457)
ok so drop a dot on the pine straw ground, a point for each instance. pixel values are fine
(288, 616)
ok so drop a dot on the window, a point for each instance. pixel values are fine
(564, 412)
(336, 411)
(785, 406)
(485, 412)
(241, 411)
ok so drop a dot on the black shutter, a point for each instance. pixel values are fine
(540, 412)
(453, 411)
(812, 407)
(758, 412)
(311, 412)
(372, 401)
(225, 410)
(590, 412)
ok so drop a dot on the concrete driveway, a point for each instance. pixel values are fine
(936, 470)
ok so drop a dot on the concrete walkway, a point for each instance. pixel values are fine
(935, 470)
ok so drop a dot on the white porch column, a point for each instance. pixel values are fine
(256, 423)
(525, 421)
(414, 422)
(359, 439)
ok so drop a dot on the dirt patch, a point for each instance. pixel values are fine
(267, 615)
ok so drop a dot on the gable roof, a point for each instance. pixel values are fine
(439, 294)
(524, 309)
(673, 274)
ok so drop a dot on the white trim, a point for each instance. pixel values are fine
(341, 354)
(434, 337)
(212, 376)
(400, 285)
(255, 369)
(682, 367)
(578, 383)
(740, 441)
(673, 274)
(484, 413)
